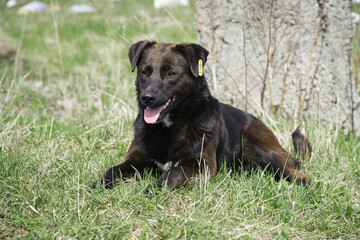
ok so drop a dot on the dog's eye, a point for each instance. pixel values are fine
(170, 73)
(143, 72)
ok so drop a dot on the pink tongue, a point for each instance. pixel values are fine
(152, 114)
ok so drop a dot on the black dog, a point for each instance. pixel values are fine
(183, 130)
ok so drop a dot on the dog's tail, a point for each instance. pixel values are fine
(302, 145)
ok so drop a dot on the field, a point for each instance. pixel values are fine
(67, 103)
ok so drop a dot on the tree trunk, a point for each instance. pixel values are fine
(289, 57)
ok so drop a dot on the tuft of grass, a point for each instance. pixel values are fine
(67, 103)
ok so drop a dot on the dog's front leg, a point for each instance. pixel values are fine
(135, 161)
(176, 176)
(183, 174)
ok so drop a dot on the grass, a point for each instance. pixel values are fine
(66, 110)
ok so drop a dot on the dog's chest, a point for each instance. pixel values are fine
(167, 147)
(164, 166)
(166, 144)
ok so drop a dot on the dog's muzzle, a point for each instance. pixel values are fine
(148, 98)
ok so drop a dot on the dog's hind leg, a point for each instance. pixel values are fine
(262, 148)
(287, 165)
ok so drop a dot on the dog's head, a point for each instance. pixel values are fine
(167, 74)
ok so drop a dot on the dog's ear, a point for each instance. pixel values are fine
(193, 53)
(136, 50)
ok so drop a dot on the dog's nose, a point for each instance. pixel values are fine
(148, 98)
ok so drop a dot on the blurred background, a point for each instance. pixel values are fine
(69, 58)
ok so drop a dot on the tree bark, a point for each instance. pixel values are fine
(289, 57)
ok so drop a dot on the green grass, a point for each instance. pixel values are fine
(66, 110)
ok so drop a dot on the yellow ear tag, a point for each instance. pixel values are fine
(200, 68)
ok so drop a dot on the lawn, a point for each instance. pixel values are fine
(67, 103)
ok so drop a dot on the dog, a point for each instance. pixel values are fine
(183, 131)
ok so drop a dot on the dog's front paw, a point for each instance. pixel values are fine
(152, 189)
(103, 183)
(109, 178)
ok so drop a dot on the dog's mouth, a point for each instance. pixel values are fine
(151, 115)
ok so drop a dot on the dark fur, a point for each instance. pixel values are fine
(196, 133)
(302, 146)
